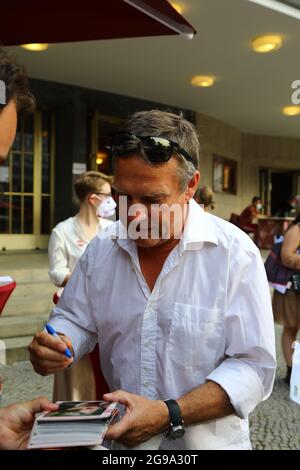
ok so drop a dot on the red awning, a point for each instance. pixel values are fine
(52, 21)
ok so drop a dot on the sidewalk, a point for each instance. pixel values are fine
(275, 424)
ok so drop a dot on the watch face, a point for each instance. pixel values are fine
(178, 432)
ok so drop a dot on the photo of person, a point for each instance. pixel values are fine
(81, 408)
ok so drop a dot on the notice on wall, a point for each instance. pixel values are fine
(78, 168)
(4, 174)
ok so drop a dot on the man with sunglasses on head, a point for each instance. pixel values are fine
(179, 305)
(15, 420)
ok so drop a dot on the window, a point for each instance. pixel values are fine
(224, 175)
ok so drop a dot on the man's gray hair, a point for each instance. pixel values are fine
(175, 127)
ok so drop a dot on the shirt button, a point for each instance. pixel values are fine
(147, 384)
(147, 344)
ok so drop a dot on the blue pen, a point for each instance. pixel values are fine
(52, 332)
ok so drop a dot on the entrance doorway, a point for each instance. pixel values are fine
(282, 191)
(103, 127)
(276, 188)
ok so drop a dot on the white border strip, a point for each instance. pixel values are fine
(2, 353)
(279, 7)
(182, 29)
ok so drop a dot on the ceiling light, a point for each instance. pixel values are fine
(291, 110)
(178, 7)
(269, 43)
(100, 157)
(203, 81)
(36, 47)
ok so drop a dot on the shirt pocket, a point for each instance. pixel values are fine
(195, 336)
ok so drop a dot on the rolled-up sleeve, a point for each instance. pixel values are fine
(247, 372)
(58, 259)
(73, 315)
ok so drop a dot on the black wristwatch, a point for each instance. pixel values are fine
(176, 428)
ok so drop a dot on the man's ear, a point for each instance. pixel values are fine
(192, 186)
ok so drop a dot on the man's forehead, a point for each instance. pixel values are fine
(144, 188)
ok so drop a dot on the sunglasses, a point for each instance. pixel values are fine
(157, 149)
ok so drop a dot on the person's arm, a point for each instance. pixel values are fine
(146, 418)
(73, 319)
(16, 422)
(239, 383)
(59, 271)
(247, 374)
(291, 242)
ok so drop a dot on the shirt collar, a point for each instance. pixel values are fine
(198, 229)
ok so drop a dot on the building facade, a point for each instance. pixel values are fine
(69, 133)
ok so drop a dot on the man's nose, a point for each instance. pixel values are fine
(136, 212)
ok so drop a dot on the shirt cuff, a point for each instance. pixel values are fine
(58, 277)
(241, 383)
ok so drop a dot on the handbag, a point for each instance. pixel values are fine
(276, 272)
(296, 282)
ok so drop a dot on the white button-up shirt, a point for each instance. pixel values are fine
(66, 245)
(208, 317)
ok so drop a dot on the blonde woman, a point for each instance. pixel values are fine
(67, 244)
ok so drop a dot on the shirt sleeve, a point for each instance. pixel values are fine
(58, 259)
(248, 371)
(73, 315)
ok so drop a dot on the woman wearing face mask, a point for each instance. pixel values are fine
(67, 244)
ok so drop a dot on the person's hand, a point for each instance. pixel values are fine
(47, 353)
(16, 422)
(144, 418)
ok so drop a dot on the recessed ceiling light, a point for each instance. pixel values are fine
(203, 80)
(35, 47)
(178, 7)
(268, 43)
(291, 110)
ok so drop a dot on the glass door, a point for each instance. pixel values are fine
(103, 127)
(265, 184)
(27, 187)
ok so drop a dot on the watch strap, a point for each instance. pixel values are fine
(174, 412)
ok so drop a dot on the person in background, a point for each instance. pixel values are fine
(248, 218)
(286, 307)
(67, 244)
(289, 208)
(18, 101)
(16, 420)
(205, 197)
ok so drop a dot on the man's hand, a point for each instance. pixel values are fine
(47, 353)
(144, 418)
(16, 422)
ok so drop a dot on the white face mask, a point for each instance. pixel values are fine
(258, 207)
(106, 208)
